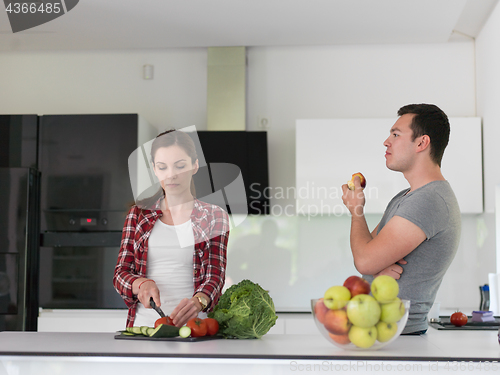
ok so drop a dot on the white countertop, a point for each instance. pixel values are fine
(437, 352)
(433, 346)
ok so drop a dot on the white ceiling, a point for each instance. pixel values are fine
(140, 24)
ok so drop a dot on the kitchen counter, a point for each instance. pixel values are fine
(95, 352)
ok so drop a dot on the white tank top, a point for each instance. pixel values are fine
(170, 265)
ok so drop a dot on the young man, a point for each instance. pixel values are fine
(420, 229)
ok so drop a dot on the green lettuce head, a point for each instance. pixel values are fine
(244, 311)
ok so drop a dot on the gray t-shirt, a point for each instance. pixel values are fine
(434, 209)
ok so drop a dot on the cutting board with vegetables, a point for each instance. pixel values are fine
(445, 324)
(121, 336)
(163, 332)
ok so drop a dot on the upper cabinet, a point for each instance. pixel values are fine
(329, 151)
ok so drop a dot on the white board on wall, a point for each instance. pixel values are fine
(329, 151)
(462, 163)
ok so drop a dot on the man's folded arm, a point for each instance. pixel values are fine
(397, 239)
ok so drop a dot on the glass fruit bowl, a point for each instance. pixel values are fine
(361, 323)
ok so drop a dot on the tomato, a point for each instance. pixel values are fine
(458, 319)
(198, 327)
(212, 326)
(165, 320)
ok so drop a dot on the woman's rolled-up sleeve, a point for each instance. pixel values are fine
(214, 257)
(125, 270)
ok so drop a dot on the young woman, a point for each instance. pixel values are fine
(173, 246)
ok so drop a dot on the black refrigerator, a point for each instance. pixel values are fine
(19, 196)
(19, 223)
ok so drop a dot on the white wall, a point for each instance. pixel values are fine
(369, 81)
(488, 99)
(284, 84)
(108, 82)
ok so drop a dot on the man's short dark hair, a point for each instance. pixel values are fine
(432, 121)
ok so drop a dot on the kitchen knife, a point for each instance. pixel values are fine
(158, 309)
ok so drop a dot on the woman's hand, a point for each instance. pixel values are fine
(394, 270)
(145, 289)
(186, 310)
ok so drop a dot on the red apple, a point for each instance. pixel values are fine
(341, 339)
(336, 322)
(362, 181)
(320, 310)
(357, 285)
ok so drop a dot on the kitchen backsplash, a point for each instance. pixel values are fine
(297, 258)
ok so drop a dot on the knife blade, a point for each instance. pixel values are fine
(157, 309)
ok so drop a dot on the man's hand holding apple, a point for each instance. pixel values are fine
(354, 200)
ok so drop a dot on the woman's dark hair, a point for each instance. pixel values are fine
(432, 121)
(166, 139)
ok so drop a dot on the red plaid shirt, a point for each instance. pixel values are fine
(211, 230)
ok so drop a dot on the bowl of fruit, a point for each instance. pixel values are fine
(351, 318)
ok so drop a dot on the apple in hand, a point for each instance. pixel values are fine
(336, 297)
(357, 285)
(362, 181)
(386, 331)
(363, 337)
(320, 310)
(391, 312)
(384, 288)
(336, 322)
(363, 311)
(340, 339)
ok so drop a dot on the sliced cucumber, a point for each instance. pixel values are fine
(164, 330)
(134, 330)
(184, 331)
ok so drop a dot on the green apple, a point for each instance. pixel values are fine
(363, 311)
(363, 337)
(391, 312)
(386, 331)
(336, 297)
(384, 288)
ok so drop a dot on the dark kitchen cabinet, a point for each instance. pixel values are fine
(78, 277)
(85, 195)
